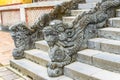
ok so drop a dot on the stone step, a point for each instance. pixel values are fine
(81, 71)
(37, 56)
(33, 71)
(92, 1)
(68, 19)
(114, 22)
(42, 45)
(109, 33)
(100, 59)
(86, 5)
(107, 45)
(117, 12)
(78, 12)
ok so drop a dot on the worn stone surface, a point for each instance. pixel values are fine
(109, 33)
(114, 22)
(65, 40)
(59, 56)
(87, 72)
(34, 71)
(94, 44)
(117, 12)
(27, 37)
(107, 61)
(104, 60)
(87, 6)
(42, 45)
(83, 72)
(37, 56)
(23, 38)
(112, 46)
(86, 56)
(105, 75)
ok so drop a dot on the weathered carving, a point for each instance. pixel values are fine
(63, 9)
(62, 41)
(20, 34)
(24, 38)
(65, 40)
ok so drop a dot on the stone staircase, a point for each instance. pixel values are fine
(101, 61)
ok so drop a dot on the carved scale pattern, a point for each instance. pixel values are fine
(66, 40)
(24, 38)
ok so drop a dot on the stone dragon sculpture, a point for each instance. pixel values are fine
(65, 40)
(24, 38)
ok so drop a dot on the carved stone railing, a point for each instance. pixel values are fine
(24, 38)
(66, 40)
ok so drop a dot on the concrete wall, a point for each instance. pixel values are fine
(28, 13)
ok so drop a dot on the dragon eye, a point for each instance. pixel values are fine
(69, 33)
